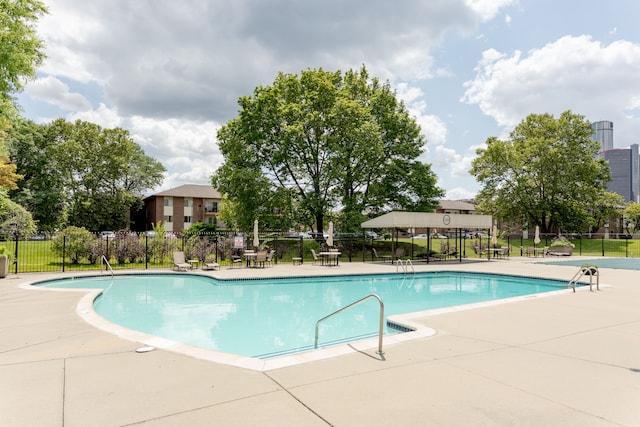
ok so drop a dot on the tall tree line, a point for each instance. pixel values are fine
(323, 144)
(79, 174)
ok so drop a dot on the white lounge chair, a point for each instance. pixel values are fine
(179, 263)
(210, 264)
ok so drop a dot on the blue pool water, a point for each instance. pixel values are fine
(268, 317)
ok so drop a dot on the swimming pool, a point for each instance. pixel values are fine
(262, 318)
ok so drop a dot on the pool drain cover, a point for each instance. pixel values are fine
(145, 349)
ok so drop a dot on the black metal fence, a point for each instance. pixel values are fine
(47, 253)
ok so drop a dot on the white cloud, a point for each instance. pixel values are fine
(172, 73)
(103, 116)
(487, 9)
(53, 91)
(194, 59)
(573, 73)
(458, 193)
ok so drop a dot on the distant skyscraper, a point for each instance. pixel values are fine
(603, 133)
(625, 172)
(635, 172)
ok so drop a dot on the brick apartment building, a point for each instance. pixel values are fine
(180, 207)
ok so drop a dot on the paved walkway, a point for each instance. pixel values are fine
(568, 359)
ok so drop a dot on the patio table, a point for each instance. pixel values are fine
(330, 258)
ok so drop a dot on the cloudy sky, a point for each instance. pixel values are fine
(171, 72)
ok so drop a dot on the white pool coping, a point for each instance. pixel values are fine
(85, 310)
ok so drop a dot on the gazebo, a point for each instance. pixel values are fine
(396, 220)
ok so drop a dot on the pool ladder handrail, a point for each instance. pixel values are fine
(404, 264)
(588, 270)
(353, 304)
(104, 260)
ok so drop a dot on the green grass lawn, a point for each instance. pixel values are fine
(37, 255)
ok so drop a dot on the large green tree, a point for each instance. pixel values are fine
(103, 172)
(546, 174)
(323, 142)
(41, 189)
(21, 51)
(632, 217)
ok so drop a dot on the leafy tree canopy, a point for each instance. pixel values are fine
(632, 216)
(15, 221)
(92, 175)
(20, 48)
(322, 142)
(21, 51)
(41, 190)
(547, 173)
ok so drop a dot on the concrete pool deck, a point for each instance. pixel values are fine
(568, 359)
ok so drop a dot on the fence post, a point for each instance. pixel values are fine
(146, 251)
(275, 248)
(580, 244)
(301, 250)
(15, 255)
(626, 248)
(602, 245)
(64, 250)
(216, 237)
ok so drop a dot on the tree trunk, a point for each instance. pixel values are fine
(319, 227)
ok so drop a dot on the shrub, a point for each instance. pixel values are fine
(95, 250)
(199, 248)
(73, 242)
(562, 241)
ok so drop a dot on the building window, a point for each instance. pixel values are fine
(168, 201)
(187, 219)
(211, 207)
(188, 203)
(168, 218)
(212, 220)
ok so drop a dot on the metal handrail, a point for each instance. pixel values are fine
(106, 261)
(352, 305)
(405, 265)
(589, 270)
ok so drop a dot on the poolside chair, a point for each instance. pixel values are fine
(179, 263)
(270, 255)
(385, 258)
(478, 250)
(236, 259)
(399, 253)
(316, 258)
(528, 251)
(261, 258)
(210, 264)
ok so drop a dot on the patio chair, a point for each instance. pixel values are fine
(399, 253)
(384, 258)
(210, 264)
(479, 250)
(261, 258)
(316, 258)
(528, 251)
(179, 263)
(269, 259)
(236, 259)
